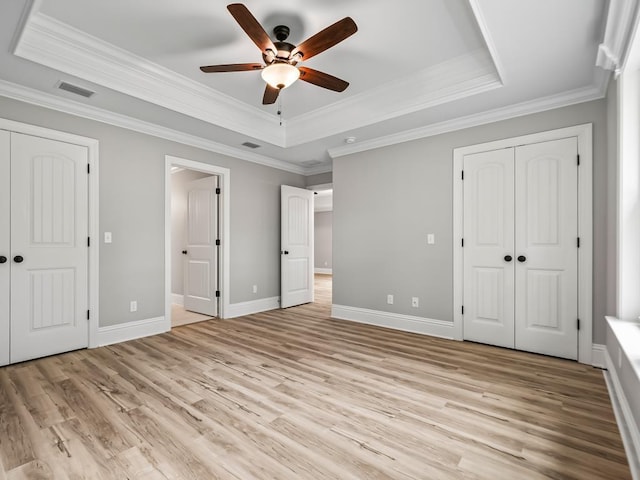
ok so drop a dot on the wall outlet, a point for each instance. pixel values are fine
(133, 306)
(415, 302)
(390, 299)
(255, 289)
(107, 237)
(431, 239)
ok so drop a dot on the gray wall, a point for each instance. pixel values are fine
(132, 207)
(323, 248)
(380, 235)
(319, 179)
(179, 183)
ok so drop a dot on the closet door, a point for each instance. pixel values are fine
(5, 253)
(49, 252)
(488, 248)
(546, 248)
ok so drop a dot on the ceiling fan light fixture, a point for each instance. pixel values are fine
(280, 75)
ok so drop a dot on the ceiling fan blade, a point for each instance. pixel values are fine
(326, 38)
(251, 26)
(270, 95)
(232, 67)
(322, 79)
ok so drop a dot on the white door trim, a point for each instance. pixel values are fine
(92, 146)
(224, 206)
(584, 134)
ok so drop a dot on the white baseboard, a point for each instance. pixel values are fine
(177, 298)
(131, 331)
(324, 271)
(253, 306)
(407, 323)
(626, 423)
(598, 355)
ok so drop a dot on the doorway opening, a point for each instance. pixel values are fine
(196, 275)
(323, 242)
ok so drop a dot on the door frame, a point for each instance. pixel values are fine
(224, 209)
(92, 146)
(584, 134)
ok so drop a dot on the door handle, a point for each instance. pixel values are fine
(522, 258)
(3, 259)
(508, 258)
(18, 259)
(184, 252)
(285, 252)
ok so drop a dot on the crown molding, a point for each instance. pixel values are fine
(52, 43)
(490, 116)
(622, 17)
(446, 82)
(46, 100)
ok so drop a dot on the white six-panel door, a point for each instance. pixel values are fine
(296, 254)
(49, 252)
(488, 239)
(201, 259)
(5, 245)
(546, 242)
(520, 247)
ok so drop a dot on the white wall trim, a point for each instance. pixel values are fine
(253, 306)
(323, 271)
(585, 228)
(490, 116)
(224, 175)
(72, 107)
(93, 149)
(130, 331)
(396, 321)
(177, 299)
(598, 355)
(624, 418)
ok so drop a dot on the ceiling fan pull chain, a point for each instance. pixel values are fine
(280, 110)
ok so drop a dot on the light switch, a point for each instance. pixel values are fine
(431, 239)
(107, 237)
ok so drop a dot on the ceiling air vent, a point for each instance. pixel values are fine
(250, 145)
(69, 87)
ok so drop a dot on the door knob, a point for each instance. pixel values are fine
(522, 258)
(18, 259)
(3, 259)
(184, 252)
(508, 258)
(285, 252)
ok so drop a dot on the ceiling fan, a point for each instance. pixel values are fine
(281, 58)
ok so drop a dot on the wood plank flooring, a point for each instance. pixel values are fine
(293, 394)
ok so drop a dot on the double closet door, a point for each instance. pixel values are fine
(43, 247)
(521, 247)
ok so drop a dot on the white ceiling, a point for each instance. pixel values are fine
(415, 67)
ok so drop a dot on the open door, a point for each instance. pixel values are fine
(201, 251)
(296, 252)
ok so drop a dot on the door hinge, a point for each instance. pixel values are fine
(88, 241)
(462, 242)
(88, 168)
(462, 309)
(578, 242)
(462, 175)
(88, 314)
(218, 242)
(578, 159)
(578, 324)
(218, 191)
(217, 293)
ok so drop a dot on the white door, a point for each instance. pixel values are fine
(201, 252)
(520, 248)
(49, 251)
(5, 243)
(546, 248)
(296, 252)
(488, 247)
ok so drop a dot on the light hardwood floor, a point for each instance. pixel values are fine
(293, 394)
